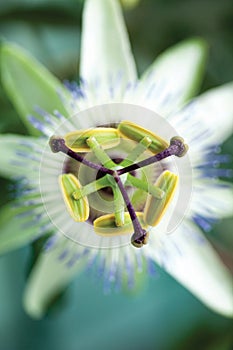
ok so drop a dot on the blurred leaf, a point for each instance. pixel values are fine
(9, 146)
(17, 229)
(26, 5)
(29, 84)
(129, 4)
(4, 185)
(54, 44)
(51, 274)
(9, 119)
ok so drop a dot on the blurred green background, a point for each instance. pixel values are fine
(164, 316)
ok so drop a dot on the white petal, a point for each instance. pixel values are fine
(208, 120)
(216, 110)
(22, 222)
(174, 77)
(212, 198)
(18, 156)
(105, 47)
(191, 260)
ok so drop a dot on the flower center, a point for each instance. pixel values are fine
(110, 180)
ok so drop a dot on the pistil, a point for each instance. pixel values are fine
(177, 148)
(112, 175)
(57, 144)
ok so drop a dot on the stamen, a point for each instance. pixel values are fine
(137, 151)
(92, 187)
(119, 206)
(177, 148)
(145, 186)
(100, 153)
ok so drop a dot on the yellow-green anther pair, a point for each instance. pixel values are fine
(77, 203)
(137, 133)
(75, 197)
(154, 210)
(78, 209)
(77, 140)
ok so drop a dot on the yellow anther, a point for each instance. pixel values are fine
(78, 209)
(106, 225)
(106, 137)
(137, 133)
(155, 208)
